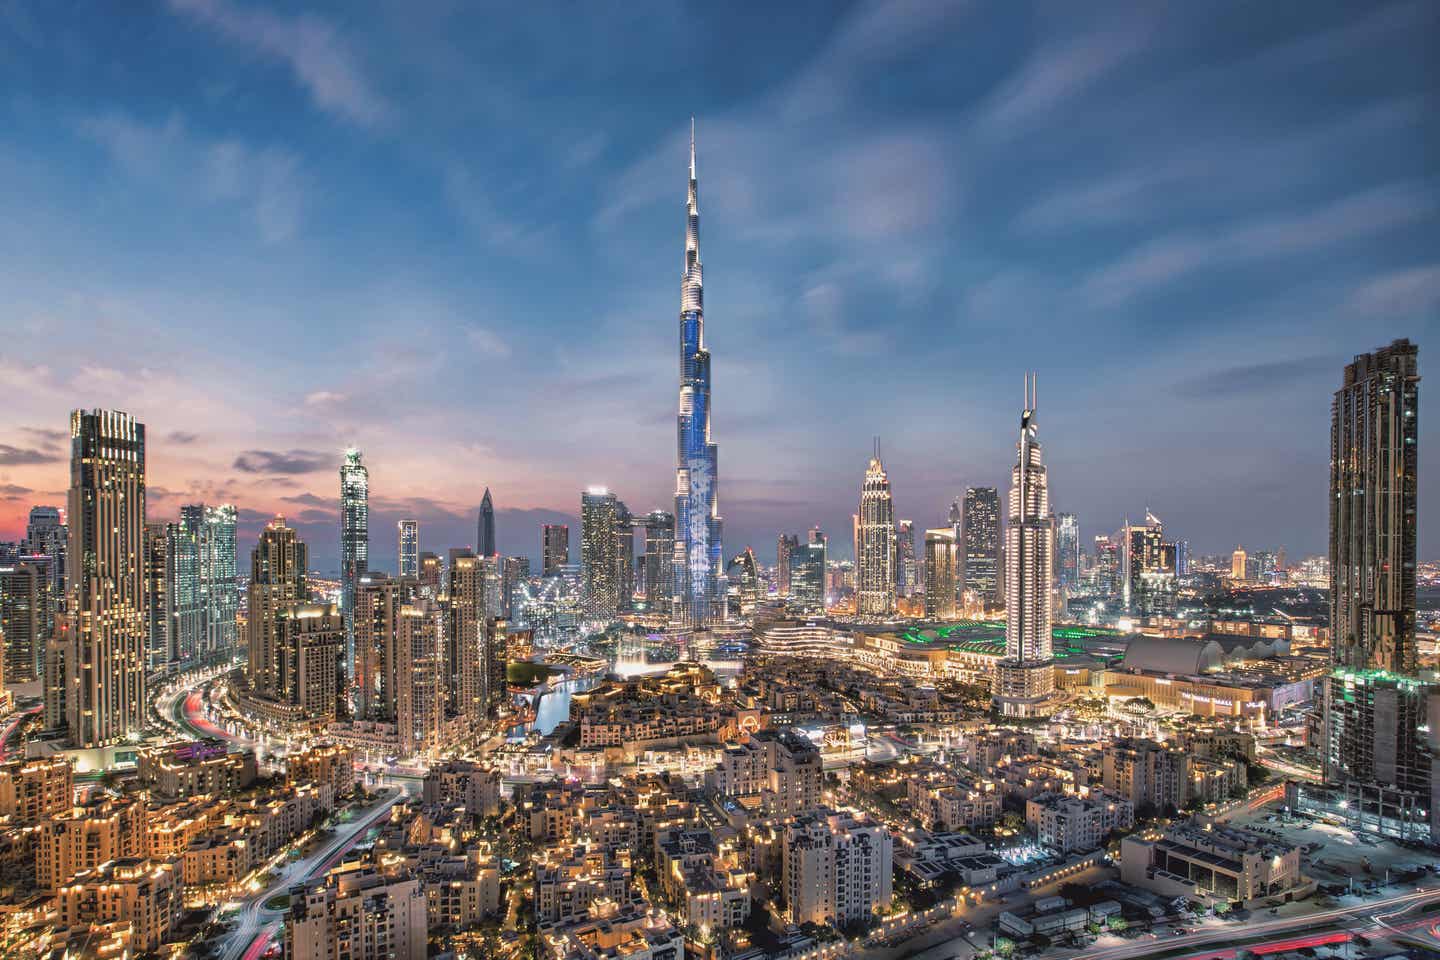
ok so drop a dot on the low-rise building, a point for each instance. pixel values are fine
(200, 768)
(31, 790)
(836, 868)
(143, 895)
(357, 914)
(330, 763)
(1070, 823)
(1225, 864)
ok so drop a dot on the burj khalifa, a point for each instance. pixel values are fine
(700, 585)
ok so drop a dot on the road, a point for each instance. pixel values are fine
(258, 925)
(1357, 918)
(11, 727)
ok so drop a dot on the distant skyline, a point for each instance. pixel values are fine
(453, 239)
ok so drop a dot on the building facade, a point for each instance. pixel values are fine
(354, 539)
(699, 579)
(941, 569)
(554, 548)
(105, 633)
(599, 585)
(1067, 552)
(1025, 678)
(485, 527)
(277, 581)
(407, 552)
(875, 543)
(980, 563)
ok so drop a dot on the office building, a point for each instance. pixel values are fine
(23, 590)
(157, 596)
(875, 543)
(906, 569)
(1025, 678)
(1106, 573)
(432, 571)
(624, 556)
(103, 635)
(699, 584)
(786, 547)
(807, 573)
(1239, 566)
(46, 535)
(277, 582)
(600, 591)
(554, 548)
(980, 545)
(408, 548)
(1377, 707)
(1067, 552)
(485, 527)
(659, 564)
(941, 570)
(1147, 568)
(354, 538)
(182, 583)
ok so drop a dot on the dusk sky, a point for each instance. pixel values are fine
(452, 235)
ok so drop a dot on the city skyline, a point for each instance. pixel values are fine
(1299, 269)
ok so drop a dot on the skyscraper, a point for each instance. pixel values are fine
(408, 553)
(905, 558)
(875, 543)
(1025, 678)
(1239, 569)
(1147, 568)
(378, 599)
(187, 614)
(1375, 701)
(354, 541)
(599, 590)
(218, 598)
(659, 560)
(554, 548)
(157, 597)
(514, 573)
(699, 575)
(624, 556)
(980, 543)
(465, 636)
(22, 598)
(941, 567)
(277, 582)
(485, 527)
(46, 533)
(786, 547)
(807, 573)
(1067, 551)
(104, 624)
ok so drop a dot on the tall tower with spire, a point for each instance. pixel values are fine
(875, 543)
(699, 565)
(1025, 678)
(485, 527)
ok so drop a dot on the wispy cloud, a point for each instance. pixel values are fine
(1251, 378)
(274, 461)
(1398, 293)
(21, 456)
(1167, 259)
(487, 342)
(323, 398)
(311, 47)
(266, 181)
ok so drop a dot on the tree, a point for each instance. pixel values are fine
(1117, 924)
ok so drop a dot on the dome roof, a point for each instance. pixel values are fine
(1172, 655)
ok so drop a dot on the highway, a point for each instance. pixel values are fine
(1358, 918)
(258, 925)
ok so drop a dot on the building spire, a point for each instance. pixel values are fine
(692, 146)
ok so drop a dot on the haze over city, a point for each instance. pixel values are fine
(272, 235)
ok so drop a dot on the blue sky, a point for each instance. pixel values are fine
(451, 234)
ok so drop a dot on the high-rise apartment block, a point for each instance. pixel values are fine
(23, 593)
(277, 582)
(836, 868)
(354, 539)
(408, 548)
(1067, 552)
(103, 640)
(554, 548)
(599, 588)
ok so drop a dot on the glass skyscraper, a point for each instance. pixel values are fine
(408, 548)
(1067, 551)
(700, 585)
(485, 527)
(354, 542)
(875, 543)
(980, 547)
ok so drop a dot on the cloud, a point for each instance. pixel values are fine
(264, 180)
(1405, 292)
(487, 341)
(309, 499)
(20, 456)
(473, 203)
(10, 490)
(1055, 74)
(1169, 258)
(271, 461)
(311, 47)
(181, 437)
(46, 437)
(321, 398)
(1250, 378)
